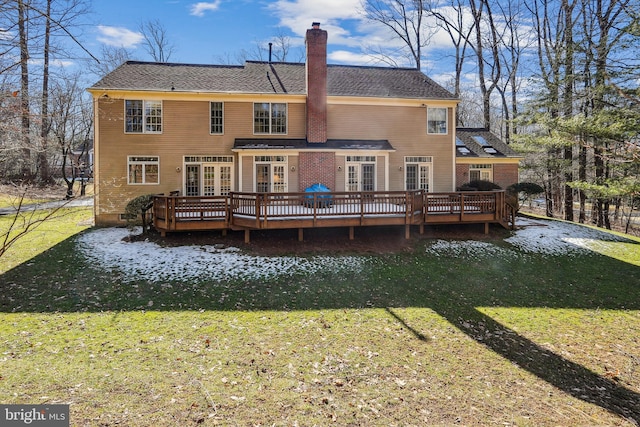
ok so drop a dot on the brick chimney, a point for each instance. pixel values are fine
(316, 41)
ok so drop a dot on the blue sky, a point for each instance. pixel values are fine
(208, 31)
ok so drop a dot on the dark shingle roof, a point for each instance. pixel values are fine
(494, 147)
(277, 77)
(299, 144)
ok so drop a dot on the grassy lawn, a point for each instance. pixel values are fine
(418, 337)
(61, 224)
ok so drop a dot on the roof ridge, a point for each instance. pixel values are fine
(182, 64)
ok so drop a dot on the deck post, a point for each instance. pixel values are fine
(300, 234)
(247, 234)
(422, 228)
(407, 231)
(351, 233)
(486, 228)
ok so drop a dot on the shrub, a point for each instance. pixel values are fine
(480, 185)
(528, 189)
(139, 206)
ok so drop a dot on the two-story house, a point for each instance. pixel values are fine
(207, 130)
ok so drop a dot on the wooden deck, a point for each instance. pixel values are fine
(260, 211)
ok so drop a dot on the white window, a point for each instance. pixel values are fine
(208, 175)
(437, 120)
(361, 173)
(270, 176)
(143, 170)
(418, 171)
(269, 118)
(217, 118)
(143, 116)
(482, 172)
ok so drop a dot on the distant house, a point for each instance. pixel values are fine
(206, 130)
(79, 163)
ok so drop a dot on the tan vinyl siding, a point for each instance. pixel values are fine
(247, 174)
(381, 173)
(293, 176)
(186, 131)
(341, 177)
(405, 127)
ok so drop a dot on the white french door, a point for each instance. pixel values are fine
(270, 174)
(208, 178)
(417, 172)
(361, 173)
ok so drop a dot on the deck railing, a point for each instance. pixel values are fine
(250, 211)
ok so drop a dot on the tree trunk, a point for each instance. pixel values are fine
(582, 176)
(568, 177)
(43, 161)
(25, 167)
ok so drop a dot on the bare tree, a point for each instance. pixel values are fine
(32, 26)
(71, 125)
(280, 48)
(110, 58)
(451, 18)
(43, 162)
(156, 41)
(405, 19)
(24, 90)
(486, 38)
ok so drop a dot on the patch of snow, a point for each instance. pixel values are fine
(469, 249)
(556, 237)
(532, 236)
(152, 262)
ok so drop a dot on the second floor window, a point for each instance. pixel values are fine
(437, 120)
(269, 118)
(217, 118)
(143, 116)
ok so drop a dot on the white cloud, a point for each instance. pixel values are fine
(298, 15)
(119, 36)
(357, 58)
(60, 63)
(198, 9)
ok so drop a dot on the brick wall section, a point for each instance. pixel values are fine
(316, 167)
(316, 84)
(462, 175)
(505, 174)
